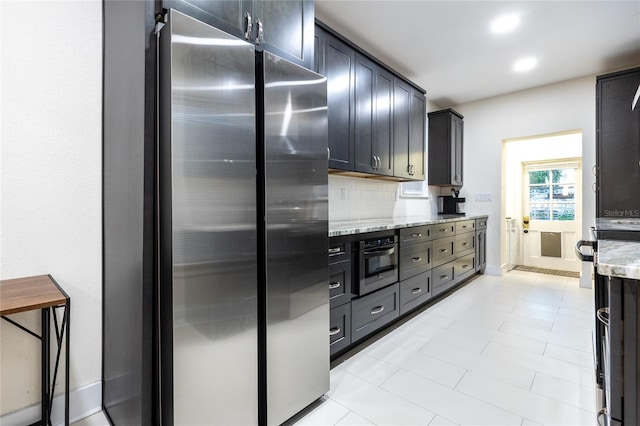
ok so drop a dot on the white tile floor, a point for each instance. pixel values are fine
(511, 350)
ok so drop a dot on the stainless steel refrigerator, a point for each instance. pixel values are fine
(242, 223)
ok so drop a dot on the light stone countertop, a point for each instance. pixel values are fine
(352, 227)
(617, 258)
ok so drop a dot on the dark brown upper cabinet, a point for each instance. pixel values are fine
(617, 145)
(446, 129)
(374, 118)
(336, 61)
(283, 27)
(409, 112)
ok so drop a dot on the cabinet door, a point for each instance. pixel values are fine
(618, 147)
(365, 117)
(409, 116)
(456, 149)
(417, 134)
(227, 15)
(402, 129)
(337, 63)
(373, 123)
(383, 136)
(287, 29)
(481, 250)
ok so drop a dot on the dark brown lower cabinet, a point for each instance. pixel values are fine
(414, 292)
(432, 259)
(339, 328)
(442, 278)
(374, 310)
(622, 352)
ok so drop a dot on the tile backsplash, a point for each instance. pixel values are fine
(352, 198)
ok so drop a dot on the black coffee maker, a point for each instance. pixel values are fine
(450, 204)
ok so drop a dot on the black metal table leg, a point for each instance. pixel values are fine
(45, 363)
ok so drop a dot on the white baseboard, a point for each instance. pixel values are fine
(493, 270)
(83, 402)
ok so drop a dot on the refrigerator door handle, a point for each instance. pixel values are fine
(248, 26)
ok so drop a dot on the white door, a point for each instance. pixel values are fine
(552, 194)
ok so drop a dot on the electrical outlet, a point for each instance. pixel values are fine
(483, 197)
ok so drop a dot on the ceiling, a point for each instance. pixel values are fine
(448, 49)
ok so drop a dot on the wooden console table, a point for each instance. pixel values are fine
(42, 292)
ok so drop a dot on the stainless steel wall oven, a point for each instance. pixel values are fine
(378, 262)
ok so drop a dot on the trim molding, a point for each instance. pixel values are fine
(83, 402)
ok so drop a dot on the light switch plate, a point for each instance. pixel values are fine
(483, 197)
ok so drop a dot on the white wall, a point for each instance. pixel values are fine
(555, 108)
(50, 177)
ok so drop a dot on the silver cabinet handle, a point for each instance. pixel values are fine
(334, 250)
(377, 310)
(416, 259)
(442, 230)
(601, 413)
(248, 25)
(444, 250)
(593, 187)
(260, 35)
(465, 266)
(465, 244)
(444, 277)
(416, 235)
(594, 170)
(373, 162)
(335, 330)
(603, 315)
(328, 153)
(416, 290)
(334, 285)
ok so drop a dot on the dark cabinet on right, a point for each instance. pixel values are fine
(446, 129)
(617, 145)
(481, 245)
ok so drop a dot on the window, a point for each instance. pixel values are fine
(552, 194)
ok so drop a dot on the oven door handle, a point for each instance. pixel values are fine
(584, 243)
(383, 252)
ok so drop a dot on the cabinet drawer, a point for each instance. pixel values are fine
(373, 311)
(415, 259)
(441, 230)
(417, 234)
(339, 249)
(442, 251)
(465, 264)
(464, 244)
(339, 328)
(442, 278)
(414, 292)
(481, 224)
(465, 226)
(340, 283)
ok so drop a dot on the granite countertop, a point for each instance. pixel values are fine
(617, 258)
(351, 227)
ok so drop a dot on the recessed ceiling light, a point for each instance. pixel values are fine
(525, 64)
(505, 23)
